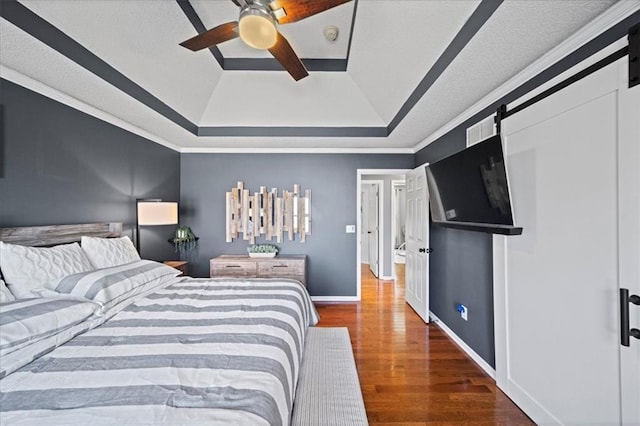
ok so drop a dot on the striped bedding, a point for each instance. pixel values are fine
(195, 352)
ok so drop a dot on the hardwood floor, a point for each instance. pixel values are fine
(412, 373)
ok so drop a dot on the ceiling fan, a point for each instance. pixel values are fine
(257, 27)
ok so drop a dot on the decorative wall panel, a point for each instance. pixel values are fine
(266, 213)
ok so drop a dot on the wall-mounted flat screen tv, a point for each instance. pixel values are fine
(470, 190)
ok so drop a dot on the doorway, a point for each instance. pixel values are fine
(381, 179)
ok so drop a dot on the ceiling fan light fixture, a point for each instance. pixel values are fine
(257, 27)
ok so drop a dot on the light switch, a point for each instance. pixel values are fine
(351, 229)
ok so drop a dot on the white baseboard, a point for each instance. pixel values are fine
(335, 298)
(466, 348)
(387, 278)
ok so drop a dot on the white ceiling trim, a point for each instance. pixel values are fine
(297, 150)
(177, 118)
(70, 101)
(603, 22)
(43, 89)
(610, 17)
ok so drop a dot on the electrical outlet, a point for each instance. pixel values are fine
(351, 229)
(463, 311)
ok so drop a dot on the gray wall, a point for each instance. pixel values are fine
(64, 166)
(332, 179)
(461, 267)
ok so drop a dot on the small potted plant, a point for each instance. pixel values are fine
(184, 239)
(262, 250)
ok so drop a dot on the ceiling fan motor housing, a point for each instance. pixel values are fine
(257, 27)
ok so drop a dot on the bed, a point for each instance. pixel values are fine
(134, 343)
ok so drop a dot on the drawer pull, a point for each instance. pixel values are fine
(280, 266)
(232, 266)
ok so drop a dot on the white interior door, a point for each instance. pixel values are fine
(364, 224)
(573, 165)
(372, 231)
(417, 239)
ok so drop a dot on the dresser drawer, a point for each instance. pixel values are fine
(280, 268)
(233, 269)
(292, 266)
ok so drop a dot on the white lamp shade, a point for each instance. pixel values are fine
(157, 213)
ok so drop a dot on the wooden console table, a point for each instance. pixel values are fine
(283, 266)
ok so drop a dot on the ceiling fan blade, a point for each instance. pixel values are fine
(300, 9)
(236, 2)
(285, 54)
(214, 36)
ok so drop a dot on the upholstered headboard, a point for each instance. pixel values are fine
(58, 234)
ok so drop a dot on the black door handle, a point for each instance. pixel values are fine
(425, 250)
(625, 332)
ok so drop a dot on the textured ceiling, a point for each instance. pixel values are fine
(411, 67)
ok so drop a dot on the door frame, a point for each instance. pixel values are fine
(359, 174)
(364, 250)
(380, 225)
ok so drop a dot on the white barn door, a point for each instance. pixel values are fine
(417, 239)
(573, 163)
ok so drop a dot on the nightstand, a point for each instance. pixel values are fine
(181, 265)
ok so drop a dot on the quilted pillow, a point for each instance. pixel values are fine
(5, 294)
(109, 252)
(27, 270)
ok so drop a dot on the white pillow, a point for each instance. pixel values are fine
(110, 286)
(109, 252)
(27, 321)
(33, 327)
(5, 294)
(27, 270)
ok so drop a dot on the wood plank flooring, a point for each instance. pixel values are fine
(412, 373)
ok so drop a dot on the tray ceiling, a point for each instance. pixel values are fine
(402, 69)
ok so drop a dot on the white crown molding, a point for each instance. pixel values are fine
(324, 299)
(70, 101)
(466, 348)
(361, 172)
(610, 17)
(213, 150)
(51, 93)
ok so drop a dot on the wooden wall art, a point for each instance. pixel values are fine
(266, 213)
